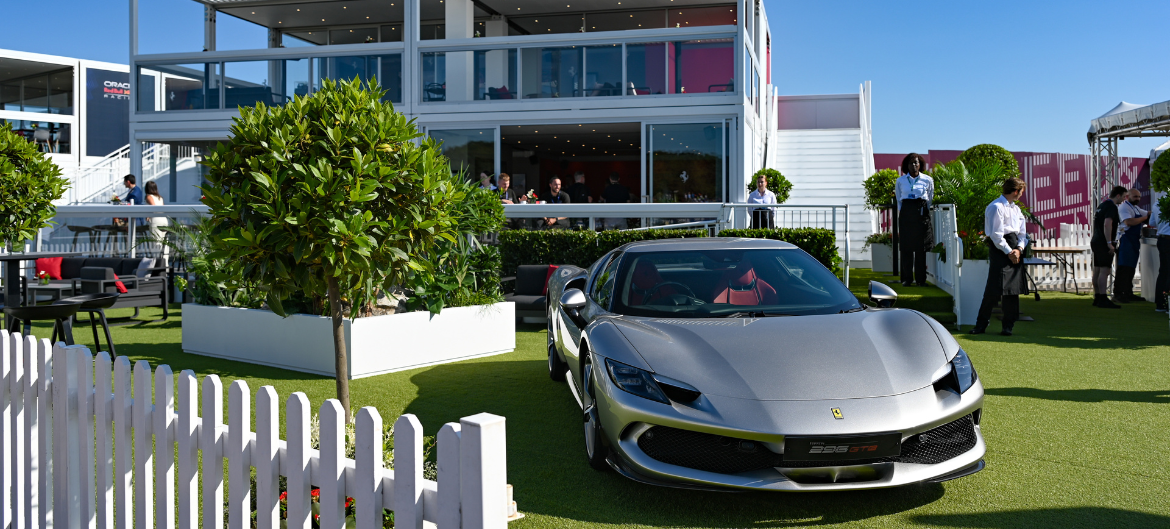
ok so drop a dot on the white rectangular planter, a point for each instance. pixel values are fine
(971, 286)
(883, 258)
(375, 345)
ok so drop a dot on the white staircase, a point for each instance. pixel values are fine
(99, 182)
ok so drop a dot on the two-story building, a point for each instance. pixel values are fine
(674, 96)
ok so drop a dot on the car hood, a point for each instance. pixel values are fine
(841, 356)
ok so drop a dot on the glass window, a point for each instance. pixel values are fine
(61, 92)
(602, 290)
(353, 36)
(432, 32)
(471, 151)
(10, 95)
(690, 17)
(495, 75)
(434, 76)
(645, 68)
(553, 72)
(603, 70)
(246, 84)
(36, 94)
(301, 39)
(390, 77)
(391, 33)
(702, 66)
(547, 25)
(49, 137)
(687, 162)
(191, 86)
(625, 20)
(346, 68)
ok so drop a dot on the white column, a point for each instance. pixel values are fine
(135, 156)
(460, 65)
(208, 28)
(496, 68)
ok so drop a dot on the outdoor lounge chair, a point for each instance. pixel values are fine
(531, 288)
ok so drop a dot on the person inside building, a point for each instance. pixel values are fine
(579, 193)
(762, 217)
(134, 197)
(1003, 222)
(507, 194)
(157, 223)
(614, 193)
(1162, 286)
(1129, 246)
(556, 196)
(914, 192)
(1104, 246)
(485, 182)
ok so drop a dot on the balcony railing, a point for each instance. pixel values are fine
(612, 64)
(227, 80)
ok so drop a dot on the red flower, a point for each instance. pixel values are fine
(284, 496)
(315, 494)
(348, 502)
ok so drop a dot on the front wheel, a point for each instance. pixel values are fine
(595, 449)
(556, 366)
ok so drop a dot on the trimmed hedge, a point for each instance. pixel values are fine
(580, 248)
(818, 242)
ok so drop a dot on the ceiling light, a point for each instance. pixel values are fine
(298, 9)
(253, 12)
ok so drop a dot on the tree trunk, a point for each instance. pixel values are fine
(340, 362)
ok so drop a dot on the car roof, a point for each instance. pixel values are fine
(704, 243)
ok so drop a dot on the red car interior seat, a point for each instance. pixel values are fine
(741, 286)
(645, 278)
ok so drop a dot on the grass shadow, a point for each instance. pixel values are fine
(547, 465)
(1059, 517)
(1085, 395)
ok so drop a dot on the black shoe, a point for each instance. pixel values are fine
(907, 284)
(1007, 331)
(1106, 304)
(977, 330)
(1097, 300)
(920, 284)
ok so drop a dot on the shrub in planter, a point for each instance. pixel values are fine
(970, 187)
(579, 248)
(29, 183)
(777, 183)
(818, 242)
(879, 238)
(330, 196)
(879, 188)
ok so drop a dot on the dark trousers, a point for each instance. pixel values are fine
(913, 266)
(1123, 282)
(1163, 284)
(991, 296)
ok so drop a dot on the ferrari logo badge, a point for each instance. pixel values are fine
(837, 413)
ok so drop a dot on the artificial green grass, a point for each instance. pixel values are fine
(1075, 419)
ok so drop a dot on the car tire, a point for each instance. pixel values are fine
(556, 366)
(596, 450)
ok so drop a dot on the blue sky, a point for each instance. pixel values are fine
(1027, 75)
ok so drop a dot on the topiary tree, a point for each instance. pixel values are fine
(879, 188)
(990, 152)
(29, 183)
(330, 196)
(776, 184)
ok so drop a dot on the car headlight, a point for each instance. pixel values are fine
(960, 375)
(637, 381)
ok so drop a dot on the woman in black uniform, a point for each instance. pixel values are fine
(913, 192)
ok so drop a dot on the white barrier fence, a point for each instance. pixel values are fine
(75, 453)
(1079, 272)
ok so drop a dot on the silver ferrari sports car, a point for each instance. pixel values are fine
(723, 363)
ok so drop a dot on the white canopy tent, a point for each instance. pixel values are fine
(1126, 120)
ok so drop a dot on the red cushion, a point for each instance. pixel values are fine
(121, 288)
(52, 265)
(551, 269)
(741, 286)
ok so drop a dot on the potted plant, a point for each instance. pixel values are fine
(324, 206)
(879, 193)
(29, 183)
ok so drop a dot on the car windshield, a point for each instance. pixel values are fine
(728, 283)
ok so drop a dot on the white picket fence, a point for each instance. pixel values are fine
(75, 454)
(1080, 270)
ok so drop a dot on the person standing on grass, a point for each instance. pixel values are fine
(1104, 246)
(1130, 247)
(1003, 222)
(913, 193)
(1162, 286)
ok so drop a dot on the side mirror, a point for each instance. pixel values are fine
(882, 295)
(573, 299)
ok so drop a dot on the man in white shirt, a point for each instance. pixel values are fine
(1003, 222)
(1129, 247)
(913, 193)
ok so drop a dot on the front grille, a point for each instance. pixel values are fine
(729, 455)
